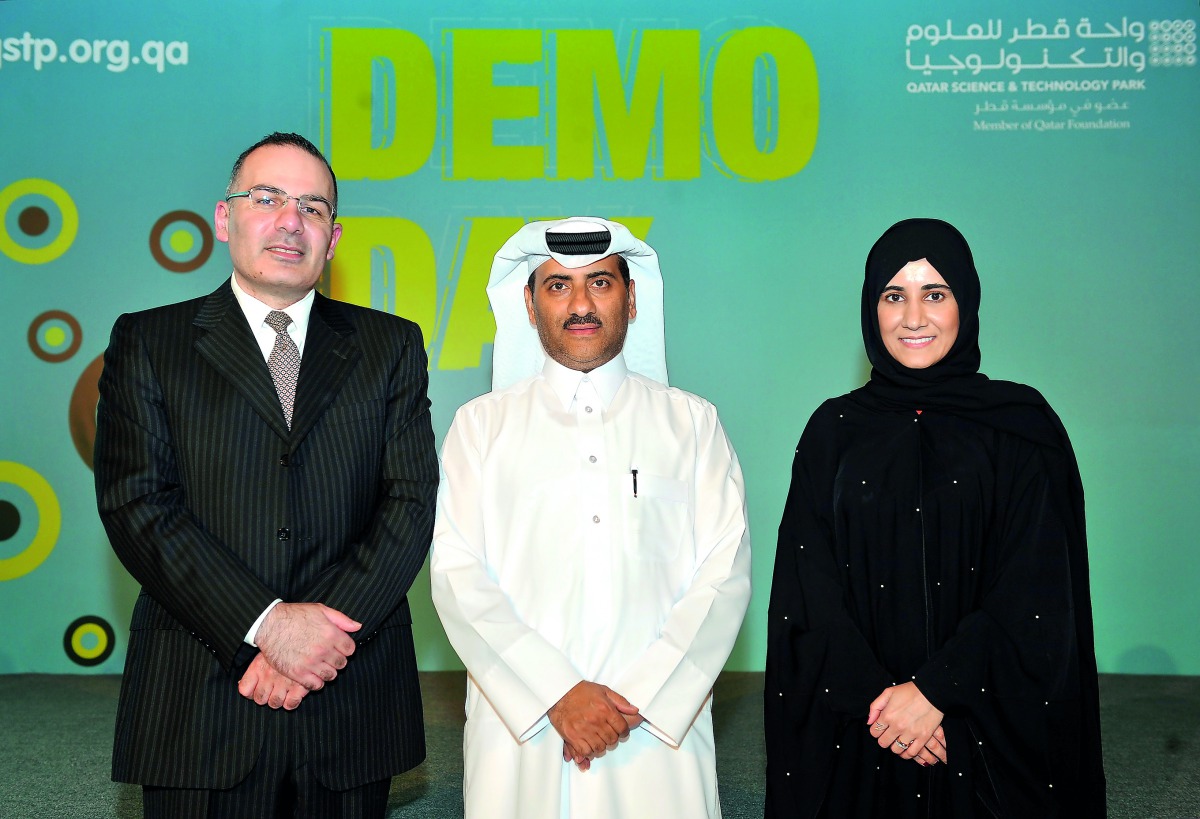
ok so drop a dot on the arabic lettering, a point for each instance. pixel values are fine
(934, 35)
(1087, 55)
(994, 30)
(1118, 57)
(1048, 107)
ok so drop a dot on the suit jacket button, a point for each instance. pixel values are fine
(284, 459)
(283, 534)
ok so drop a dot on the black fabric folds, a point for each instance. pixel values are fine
(934, 532)
(578, 244)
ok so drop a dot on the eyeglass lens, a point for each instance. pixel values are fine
(272, 199)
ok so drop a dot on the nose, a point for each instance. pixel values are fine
(289, 218)
(581, 302)
(914, 314)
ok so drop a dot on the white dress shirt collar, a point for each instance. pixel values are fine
(256, 314)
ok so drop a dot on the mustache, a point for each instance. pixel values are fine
(590, 318)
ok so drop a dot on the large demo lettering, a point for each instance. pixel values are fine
(600, 120)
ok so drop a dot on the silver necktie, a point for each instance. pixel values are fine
(284, 363)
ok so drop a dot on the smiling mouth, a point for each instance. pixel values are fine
(917, 342)
(284, 250)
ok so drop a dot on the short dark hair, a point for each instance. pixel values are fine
(279, 138)
(622, 266)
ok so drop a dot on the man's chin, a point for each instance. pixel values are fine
(584, 363)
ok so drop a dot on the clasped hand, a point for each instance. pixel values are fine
(591, 719)
(302, 646)
(902, 719)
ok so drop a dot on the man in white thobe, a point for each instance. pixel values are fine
(591, 558)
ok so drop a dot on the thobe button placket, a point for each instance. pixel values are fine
(594, 509)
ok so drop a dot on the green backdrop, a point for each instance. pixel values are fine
(760, 147)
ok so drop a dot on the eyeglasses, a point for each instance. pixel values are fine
(272, 200)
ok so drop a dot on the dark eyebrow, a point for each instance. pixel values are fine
(563, 277)
(930, 286)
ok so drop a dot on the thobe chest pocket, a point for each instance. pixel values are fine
(658, 520)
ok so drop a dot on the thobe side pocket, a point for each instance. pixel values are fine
(658, 519)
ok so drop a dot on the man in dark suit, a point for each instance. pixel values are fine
(265, 468)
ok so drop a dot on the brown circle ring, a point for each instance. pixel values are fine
(72, 348)
(206, 239)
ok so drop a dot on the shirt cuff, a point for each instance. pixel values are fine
(253, 632)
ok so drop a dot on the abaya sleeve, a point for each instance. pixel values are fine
(1014, 643)
(1012, 669)
(820, 669)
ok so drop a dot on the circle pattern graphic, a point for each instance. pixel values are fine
(49, 520)
(33, 221)
(1173, 43)
(170, 239)
(89, 640)
(55, 336)
(81, 417)
(10, 520)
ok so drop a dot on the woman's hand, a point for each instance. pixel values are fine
(934, 750)
(902, 719)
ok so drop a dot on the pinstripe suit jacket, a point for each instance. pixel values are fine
(216, 508)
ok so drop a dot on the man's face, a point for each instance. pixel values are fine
(278, 257)
(581, 313)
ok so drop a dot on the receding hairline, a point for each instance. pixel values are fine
(281, 139)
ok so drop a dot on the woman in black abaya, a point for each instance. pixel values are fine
(930, 646)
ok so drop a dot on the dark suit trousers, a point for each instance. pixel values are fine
(280, 786)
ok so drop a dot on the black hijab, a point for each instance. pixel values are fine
(945, 249)
(954, 384)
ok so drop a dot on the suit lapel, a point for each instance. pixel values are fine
(330, 355)
(229, 346)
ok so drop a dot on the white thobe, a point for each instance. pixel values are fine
(547, 570)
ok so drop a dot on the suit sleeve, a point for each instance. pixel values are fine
(198, 580)
(376, 572)
(673, 677)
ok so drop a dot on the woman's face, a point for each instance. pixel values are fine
(918, 316)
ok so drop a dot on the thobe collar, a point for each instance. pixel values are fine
(606, 379)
